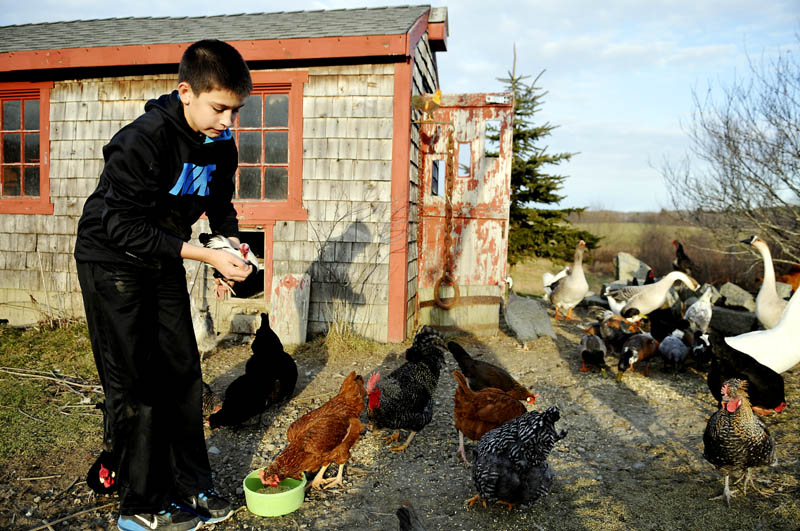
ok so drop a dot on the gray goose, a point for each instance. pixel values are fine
(571, 289)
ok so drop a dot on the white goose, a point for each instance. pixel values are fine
(778, 347)
(571, 289)
(769, 305)
(641, 300)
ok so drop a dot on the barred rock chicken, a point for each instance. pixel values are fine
(511, 461)
(321, 436)
(477, 412)
(736, 439)
(640, 347)
(210, 400)
(241, 251)
(269, 377)
(403, 399)
(481, 374)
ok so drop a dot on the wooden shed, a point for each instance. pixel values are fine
(332, 162)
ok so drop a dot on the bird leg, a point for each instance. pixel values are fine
(556, 317)
(475, 499)
(318, 480)
(726, 492)
(461, 449)
(222, 287)
(584, 368)
(332, 482)
(393, 437)
(507, 505)
(404, 446)
(569, 316)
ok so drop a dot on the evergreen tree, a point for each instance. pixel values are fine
(537, 231)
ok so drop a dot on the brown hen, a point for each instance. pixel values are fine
(320, 437)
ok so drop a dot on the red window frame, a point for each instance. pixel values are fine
(259, 211)
(32, 204)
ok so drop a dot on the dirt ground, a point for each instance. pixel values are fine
(632, 458)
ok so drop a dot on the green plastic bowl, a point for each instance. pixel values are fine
(278, 504)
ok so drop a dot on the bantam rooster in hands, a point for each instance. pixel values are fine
(241, 251)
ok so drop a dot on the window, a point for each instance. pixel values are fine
(25, 148)
(269, 135)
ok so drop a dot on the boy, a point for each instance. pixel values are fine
(162, 172)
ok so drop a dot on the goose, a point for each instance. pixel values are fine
(778, 347)
(641, 300)
(550, 281)
(572, 288)
(699, 313)
(769, 306)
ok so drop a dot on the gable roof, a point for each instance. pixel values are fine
(242, 27)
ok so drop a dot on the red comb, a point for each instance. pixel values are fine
(373, 381)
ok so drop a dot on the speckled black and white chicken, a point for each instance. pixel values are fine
(510, 464)
(403, 399)
(735, 439)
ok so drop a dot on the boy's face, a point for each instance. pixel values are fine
(210, 113)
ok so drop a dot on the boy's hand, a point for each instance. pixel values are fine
(229, 266)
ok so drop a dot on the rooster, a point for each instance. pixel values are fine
(404, 398)
(321, 436)
(477, 412)
(481, 374)
(681, 262)
(241, 251)
(427, 103)
(510, 461)
(270, 376)
(736, 439)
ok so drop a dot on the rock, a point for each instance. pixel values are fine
(627, 267)
(594, 300)
(784, 290)
(730, 322)
(736, 297)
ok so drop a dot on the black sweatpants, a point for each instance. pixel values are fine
(144, 346)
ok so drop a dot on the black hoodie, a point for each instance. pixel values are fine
(159, 177)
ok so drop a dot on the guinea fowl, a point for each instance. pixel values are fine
(779, 347)
(550, 281)
(269, 377)
(639, 347)
(681, 262)
(769, 305)
(699, 313)
(593, 353)
(477, 412)
(641, 300)
(735, 439)
(241, 251)
(511, 461)
(403, 399)
(482, 374)
(526, 317)
(573, 287)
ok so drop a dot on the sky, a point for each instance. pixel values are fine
(617, 76)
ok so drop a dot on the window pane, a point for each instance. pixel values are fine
(250, 114)
(277, 111)
(276, 183)
(11, 115)
(11, 147)
(31, 114)
(464, 160)
(32, 148)
(31, 180)
(250, 183)
(11, 181)
(276, 147)
(250, 147)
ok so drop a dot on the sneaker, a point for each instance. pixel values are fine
(171, 519)
(209, 506)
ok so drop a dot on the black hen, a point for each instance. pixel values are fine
(408, 519)
(269, 377)
(403, 399)
(735, 439)
(482, 374)
(511, 461)
(682, 262)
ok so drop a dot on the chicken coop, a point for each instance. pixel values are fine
(339, 179)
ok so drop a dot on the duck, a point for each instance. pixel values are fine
(769, 305)
(550, 281)
(639, 347)
(593, 353)
(641, 300)
(699, 313)
(572, 288)
(778, 347)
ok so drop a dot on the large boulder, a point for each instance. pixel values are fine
(730, 322)
(736, 297)
(627, 267)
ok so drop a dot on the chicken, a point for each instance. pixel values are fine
(573, 287)
(641, 300)
(593, 353)
(481, 374)
(477, 412)
(511, 461)
(675, 348)
(550, 281)
(765, 386)
(403, 399)
(321, 436)
(792, 277)
(526, 317)
(427, 103)
(650, 278)
(699, 313)
(269, 377)
(241, 251)
(639, 347)
(735, 439)
(681, 262)
(408, 519)
(211, 401)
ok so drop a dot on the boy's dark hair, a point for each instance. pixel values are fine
(211, 64)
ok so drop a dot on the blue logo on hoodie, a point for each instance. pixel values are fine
(193, 180)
